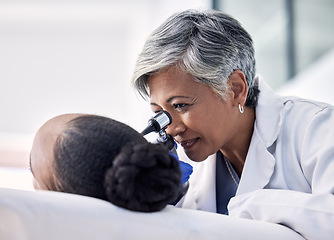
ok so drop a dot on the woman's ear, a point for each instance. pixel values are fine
(239, 87)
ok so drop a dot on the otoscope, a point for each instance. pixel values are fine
(158, 124)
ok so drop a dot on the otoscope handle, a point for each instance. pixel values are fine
(170, 144)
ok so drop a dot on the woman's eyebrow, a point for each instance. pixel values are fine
(170, 99)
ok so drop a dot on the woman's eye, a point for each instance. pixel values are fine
(180, 106)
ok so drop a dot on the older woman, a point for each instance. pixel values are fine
(259, 155)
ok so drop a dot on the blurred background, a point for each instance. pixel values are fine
(78, 56)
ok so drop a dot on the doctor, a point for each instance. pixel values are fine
(255, 154)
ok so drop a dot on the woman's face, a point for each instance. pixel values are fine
(201, 121)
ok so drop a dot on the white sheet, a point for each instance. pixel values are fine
(26, 215)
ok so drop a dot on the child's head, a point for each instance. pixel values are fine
(100, 157)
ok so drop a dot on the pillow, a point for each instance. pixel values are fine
(54, 215)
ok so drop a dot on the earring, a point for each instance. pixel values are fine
(241, 108)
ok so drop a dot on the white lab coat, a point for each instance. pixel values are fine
(288, 176)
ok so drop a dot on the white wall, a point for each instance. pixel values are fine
(72, 56)
(315, 82)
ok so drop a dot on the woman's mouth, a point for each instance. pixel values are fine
(188, 143)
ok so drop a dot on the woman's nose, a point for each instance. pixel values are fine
(176, 127)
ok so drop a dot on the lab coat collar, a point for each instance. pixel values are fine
(268, 113)
(260, 163)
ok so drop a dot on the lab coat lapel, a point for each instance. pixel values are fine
(258, 169)
(201, 194)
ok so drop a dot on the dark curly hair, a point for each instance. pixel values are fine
(100, 157)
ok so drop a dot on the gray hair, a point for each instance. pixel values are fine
(209, 45)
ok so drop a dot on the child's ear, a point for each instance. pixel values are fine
(239, 87)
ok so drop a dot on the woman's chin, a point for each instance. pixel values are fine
(195, 157)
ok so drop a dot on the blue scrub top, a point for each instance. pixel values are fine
(226, 188)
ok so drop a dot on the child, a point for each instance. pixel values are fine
(100, 157)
